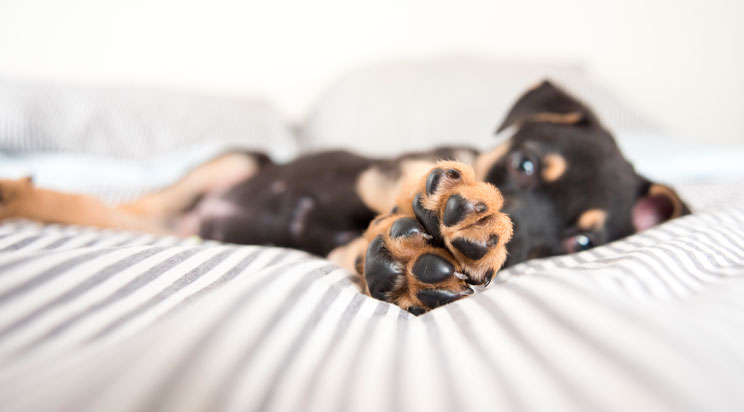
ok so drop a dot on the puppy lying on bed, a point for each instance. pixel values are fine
(418, 228)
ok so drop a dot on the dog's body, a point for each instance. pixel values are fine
(565, 185)
(317, 202)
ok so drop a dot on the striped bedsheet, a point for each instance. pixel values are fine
(94, 320)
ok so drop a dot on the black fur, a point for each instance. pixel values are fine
(271, 205)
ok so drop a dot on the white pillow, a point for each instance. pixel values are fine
(401, 106)
(134, 123)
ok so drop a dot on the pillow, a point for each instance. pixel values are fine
(402, 106)
(134, 123)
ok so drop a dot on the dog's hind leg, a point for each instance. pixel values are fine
(154, 213)
(20, 199)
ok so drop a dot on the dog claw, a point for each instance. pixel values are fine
(489, 276)
(461, 275)
(486, 279)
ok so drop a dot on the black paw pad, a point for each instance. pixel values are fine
(432, 181)
(406, 227)
(432, 269)
(470, 249)
(380, 270)
(453, 174)
(428, 219)
(493, 240)
(438, 297)
(416, 310)
(435, 177)
(456, 209)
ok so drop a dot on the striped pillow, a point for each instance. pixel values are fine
(132, 123)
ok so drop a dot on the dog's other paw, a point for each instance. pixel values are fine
(463, 215)
(401, 266)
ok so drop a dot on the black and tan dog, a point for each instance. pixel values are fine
(418, 228)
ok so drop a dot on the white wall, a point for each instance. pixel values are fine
(682, 61)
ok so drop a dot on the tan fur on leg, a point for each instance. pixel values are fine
(20, 199)
(347, 255)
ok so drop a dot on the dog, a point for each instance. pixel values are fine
(420, 228)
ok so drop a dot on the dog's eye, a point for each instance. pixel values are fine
(522, 164)
(523, 168)
(578, 243)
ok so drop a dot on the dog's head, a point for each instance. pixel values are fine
(567, 186)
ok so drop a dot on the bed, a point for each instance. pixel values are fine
(106, 320)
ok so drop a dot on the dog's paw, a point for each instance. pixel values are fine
(463, 215)
(402, 267)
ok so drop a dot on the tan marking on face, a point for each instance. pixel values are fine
(554, 166)
(560, 118)
(592, 219)
(379, 191)
(661, 190)
(485, 161)
(536, 86)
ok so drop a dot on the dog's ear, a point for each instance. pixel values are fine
(657, 204)
(547, 103)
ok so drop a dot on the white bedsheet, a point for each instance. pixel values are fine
(96, 320)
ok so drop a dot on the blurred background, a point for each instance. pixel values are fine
(680, 62)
